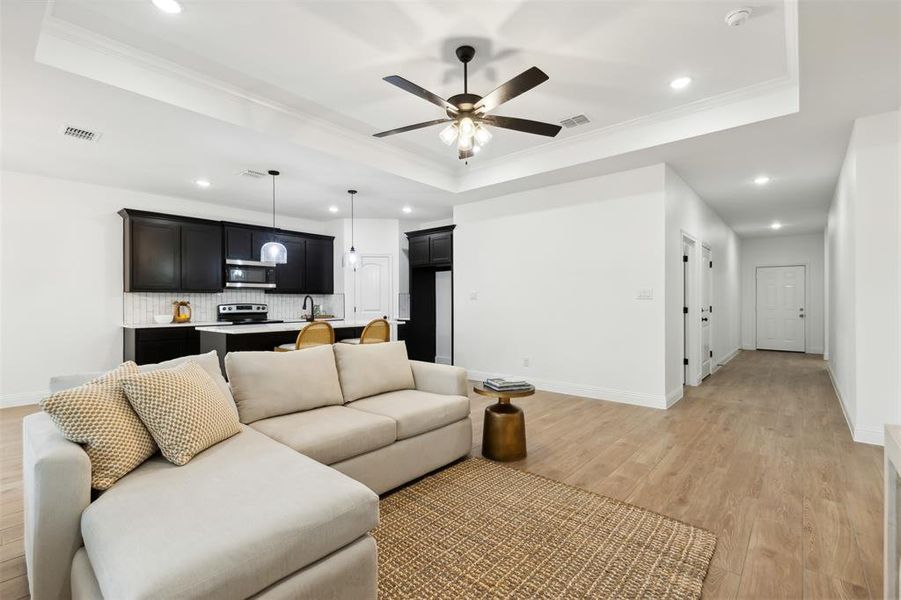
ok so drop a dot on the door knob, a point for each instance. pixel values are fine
(703, 318)
(801, 315)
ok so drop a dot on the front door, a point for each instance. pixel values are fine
(372, 299)
(780, 308)
(706, 302)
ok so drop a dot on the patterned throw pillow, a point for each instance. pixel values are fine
(184, 409)
(98, 416)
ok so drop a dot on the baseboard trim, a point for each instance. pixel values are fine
(443, 360)
(22, 399)
(587, 391)
(860, 434)
(674, 396)
(730, 356)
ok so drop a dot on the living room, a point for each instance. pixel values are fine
(402, 299)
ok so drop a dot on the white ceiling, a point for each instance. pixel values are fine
(297, 86)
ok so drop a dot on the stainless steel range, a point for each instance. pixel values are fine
(244, 314)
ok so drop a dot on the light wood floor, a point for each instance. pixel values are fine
(759, 454)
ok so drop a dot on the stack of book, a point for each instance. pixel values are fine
(502, 384)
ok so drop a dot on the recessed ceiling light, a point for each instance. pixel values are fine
(680, 83)
(202, 183)
(407, 209)
(776, 225)
(333, 209)
(761, 180)
(168, 6)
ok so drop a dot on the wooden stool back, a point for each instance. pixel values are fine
(315, 334)
(376, 331)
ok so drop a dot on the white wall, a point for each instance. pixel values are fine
(807, 250)
(62, 301)
(863, 270)
(551, 276)
(687, 214)
(371, 237)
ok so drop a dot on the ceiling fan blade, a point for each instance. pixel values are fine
(525, 125)
(409, 86)
(411, 127)
(522, 83)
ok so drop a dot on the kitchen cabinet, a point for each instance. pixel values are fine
(320, 274)
(289, 277)
(431, 247)
(150, 345)
(163, 253)
(239, 242)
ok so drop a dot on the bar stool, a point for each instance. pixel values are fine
(314, 334)
(377, 330)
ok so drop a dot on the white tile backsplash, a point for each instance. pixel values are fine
(140, 307)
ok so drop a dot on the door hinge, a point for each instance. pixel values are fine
(711, 354)
(684, 310)
(684, 258)
(711, 264)
(685, 361)
(711, 308)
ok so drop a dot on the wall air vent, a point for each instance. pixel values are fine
(252, 173)
(80, 133)
(575, 121)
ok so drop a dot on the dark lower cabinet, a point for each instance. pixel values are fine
(155, 344)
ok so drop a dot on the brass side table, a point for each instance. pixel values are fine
(504, 430)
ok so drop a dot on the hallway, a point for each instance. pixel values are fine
(760, 454)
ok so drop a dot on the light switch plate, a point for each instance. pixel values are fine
(645, 294)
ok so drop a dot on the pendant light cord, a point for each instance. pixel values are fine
(351, 219)
(273, 201)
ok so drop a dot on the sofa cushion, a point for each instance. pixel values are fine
(183, 408)
(238, 518)
(268, 384)
(210, 364)
(415, 411)
(97, 415)
(370, 369)
(331, 433)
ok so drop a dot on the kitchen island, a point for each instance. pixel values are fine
(266, 336)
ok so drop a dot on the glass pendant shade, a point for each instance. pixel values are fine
(467, 127)
(448, 135)
(352, 257)
(464, 143)
(482, 135)
(274, 252)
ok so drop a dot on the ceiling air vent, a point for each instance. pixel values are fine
(574, 121)
(80, 133)
(252, 173)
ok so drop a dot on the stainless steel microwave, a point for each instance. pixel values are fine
(249, 274)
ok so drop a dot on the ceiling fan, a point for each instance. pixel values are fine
(467, 114)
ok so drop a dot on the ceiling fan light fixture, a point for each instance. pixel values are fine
(482, 135)
(467, 127)
(464, 143)
(448, 135)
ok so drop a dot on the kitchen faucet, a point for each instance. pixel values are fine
(312, 316)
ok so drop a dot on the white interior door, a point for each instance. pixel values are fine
(780, 308)
(372, 298)
(706, 301)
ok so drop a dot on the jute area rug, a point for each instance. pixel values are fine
(479, 529)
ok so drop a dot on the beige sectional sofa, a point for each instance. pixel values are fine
(281, 510)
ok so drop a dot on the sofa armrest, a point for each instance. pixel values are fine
(57, 488)
(439, 379)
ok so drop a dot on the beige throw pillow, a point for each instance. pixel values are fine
(210, 364)
(268, 384)
(183, 408)
(369, 369)
(99, 416)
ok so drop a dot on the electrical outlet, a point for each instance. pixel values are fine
(526, 362)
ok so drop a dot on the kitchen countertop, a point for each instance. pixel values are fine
(156, 325)
(287, 326)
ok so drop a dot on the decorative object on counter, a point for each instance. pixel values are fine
(181, 311)
(352, 254)
(502, 384)
(376, 331)
(162, 319)
(504, 429)
(274, 251)
(315, 334)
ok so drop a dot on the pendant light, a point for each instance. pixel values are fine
(352, 256)
(273, 251)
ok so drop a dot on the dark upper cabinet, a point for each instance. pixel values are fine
(431, 247)
(152, 255)
(239, 243)
(289, 277)
(419, 251)
(201, 257)
(171, 254)
(320, 274)
(258, 238)
(441, 251)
